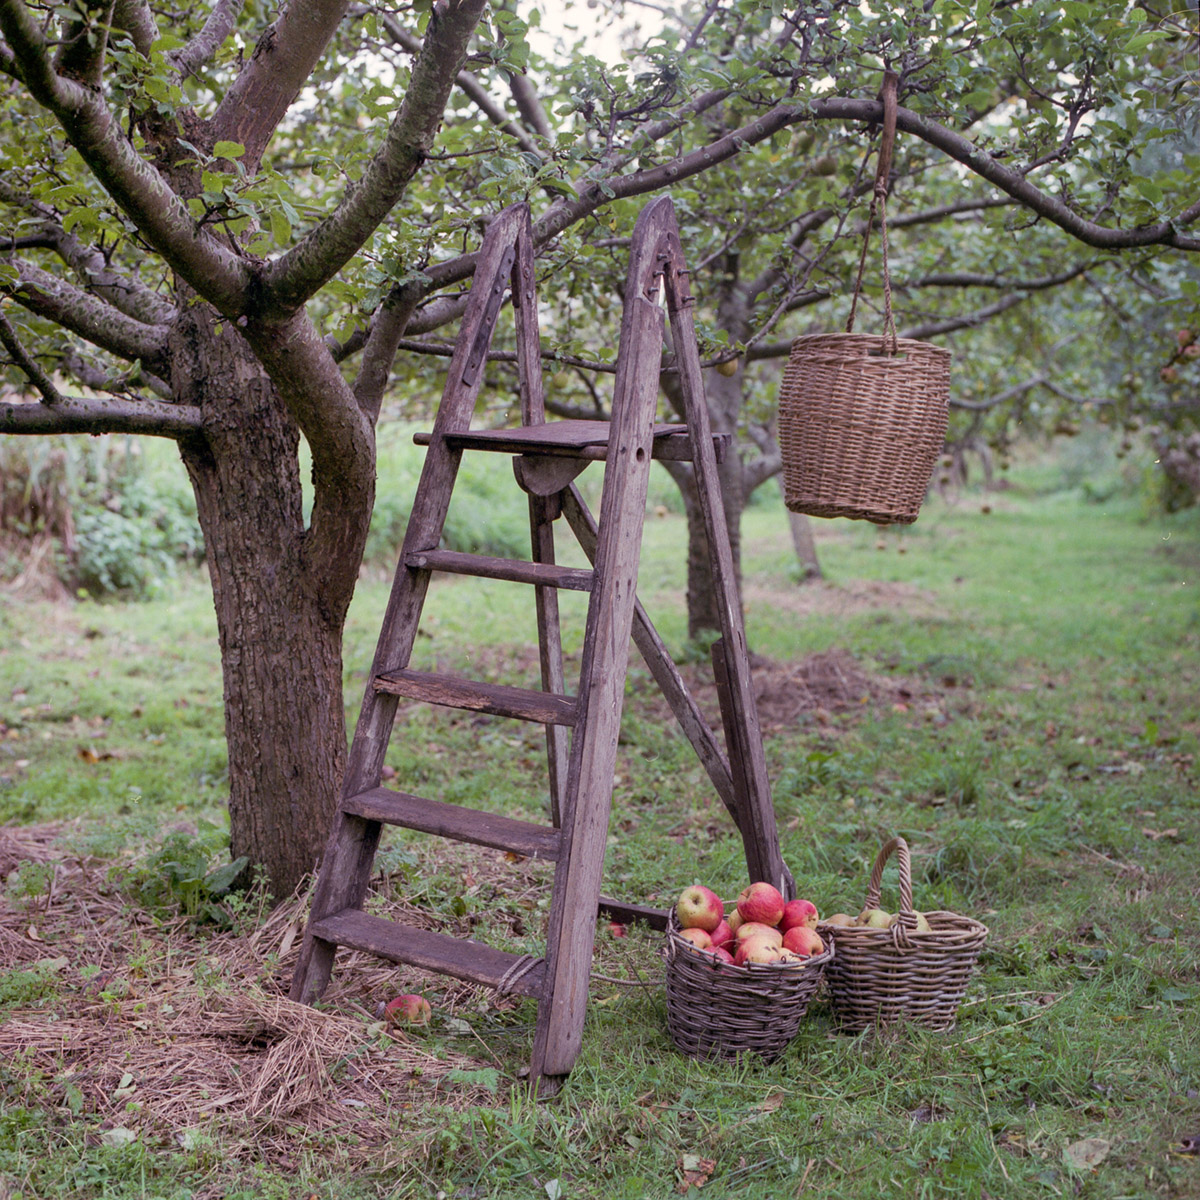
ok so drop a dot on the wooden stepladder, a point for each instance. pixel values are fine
(547, 456)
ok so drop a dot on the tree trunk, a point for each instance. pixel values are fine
(724, 403)
(280, 637)
(803, 543)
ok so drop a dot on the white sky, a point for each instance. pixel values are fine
(571, 21)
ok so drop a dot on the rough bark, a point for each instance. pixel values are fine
(280, 637)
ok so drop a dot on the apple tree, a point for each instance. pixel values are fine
(242, 226)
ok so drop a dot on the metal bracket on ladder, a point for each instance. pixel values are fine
(547, 458)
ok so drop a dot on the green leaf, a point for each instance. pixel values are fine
(486, 1077)
(1149, 190)
(1140, 41)
(217, 882)
(228, 150)
(281, 227)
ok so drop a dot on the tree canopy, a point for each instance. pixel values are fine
(244, 225)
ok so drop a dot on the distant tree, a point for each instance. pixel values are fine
(239, 229)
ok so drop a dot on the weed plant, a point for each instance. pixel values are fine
(1035, 743)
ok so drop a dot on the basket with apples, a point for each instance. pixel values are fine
(907, 966)
(741, 980)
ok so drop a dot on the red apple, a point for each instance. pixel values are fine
(699, 907)
(798, 912)
(803, 941)
(756, 950)
(753, 929)
(407, 1010)
(762, 903)
(698, 937)
(721, 953)
(735, 920)
(616, 929)
(722, 935)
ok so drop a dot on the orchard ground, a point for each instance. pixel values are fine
(1016, 691)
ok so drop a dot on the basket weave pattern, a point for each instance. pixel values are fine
(715, 1010)
(860, 429)
(885, 976)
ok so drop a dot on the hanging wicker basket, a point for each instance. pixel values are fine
(715, 1010)
(898, 974)
(862, 417)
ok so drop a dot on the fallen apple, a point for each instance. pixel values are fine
(762, 903)
(798, 912)
(699, 907)
(408, 1009)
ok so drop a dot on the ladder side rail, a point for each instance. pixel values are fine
(350, 850)
(542, 512)
(662, 667)
(579, 870)
(746, 756)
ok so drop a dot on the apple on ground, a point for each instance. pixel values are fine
(754, 929)
(803, 941)
(762, 903)
(798, 912)
(698, 937)
(408, 1009)
(699, 907)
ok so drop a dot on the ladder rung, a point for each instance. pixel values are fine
(455, 821)
(547, 708)
(573, 439)
(546, 574)
(439, 952)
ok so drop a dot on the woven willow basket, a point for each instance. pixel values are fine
(886, 976)
(715, 1010)
(862, 421)
(862, 417)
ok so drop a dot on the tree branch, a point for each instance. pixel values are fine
(470, 86)
(141, 192)
(86, 315)
(291, 279)
(282, 61)
(187, 60)
(78, 414)
(24, 360)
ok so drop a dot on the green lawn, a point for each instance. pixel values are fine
(1016, 691)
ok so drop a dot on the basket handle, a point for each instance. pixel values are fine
(874, 888)
(889, 93)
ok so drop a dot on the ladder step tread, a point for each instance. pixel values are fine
(573, 438)
(400, 943)
(512, 569)
(526, 704)
(455, 821)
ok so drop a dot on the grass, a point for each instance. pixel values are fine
(1031, 678)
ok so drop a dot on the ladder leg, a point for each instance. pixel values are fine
(572, 924)
(541, 517)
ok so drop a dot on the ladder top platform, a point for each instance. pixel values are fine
(572, 439)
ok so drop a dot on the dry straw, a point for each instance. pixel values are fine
(889, 976)
(715, 1010)
(862, 417)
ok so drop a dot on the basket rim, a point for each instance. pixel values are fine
(766, 972)
(835, 339)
